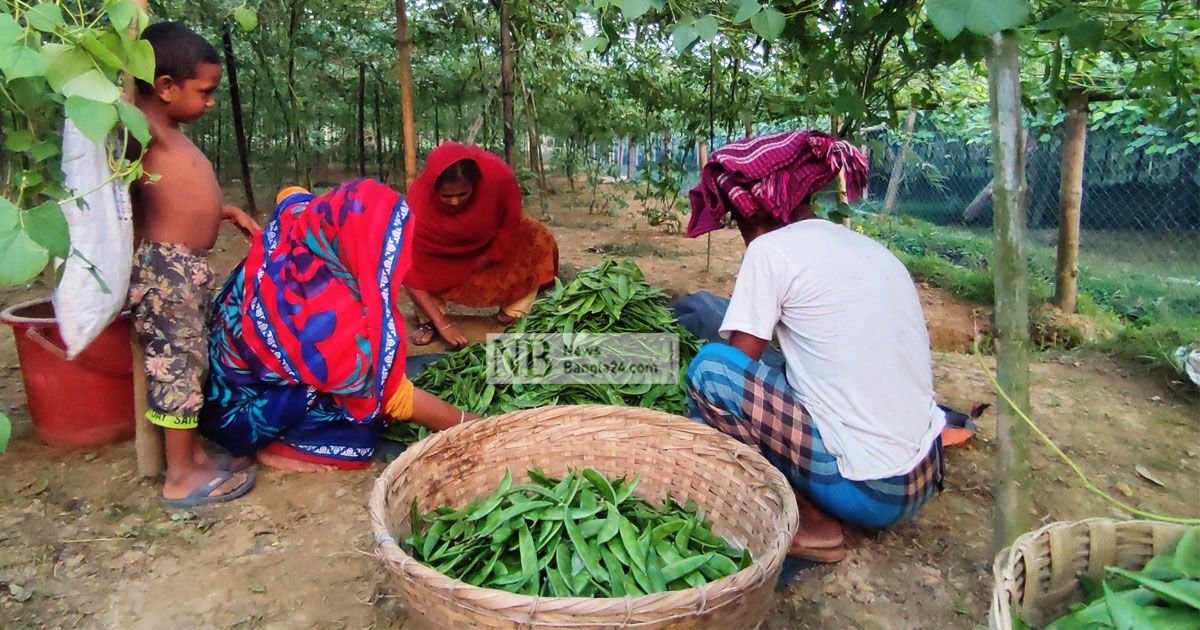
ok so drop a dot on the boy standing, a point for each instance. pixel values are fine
(172, 286)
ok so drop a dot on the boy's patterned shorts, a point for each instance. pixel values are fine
(170, 294)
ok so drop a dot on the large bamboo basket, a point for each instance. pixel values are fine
(749, 501)
(1037, 578)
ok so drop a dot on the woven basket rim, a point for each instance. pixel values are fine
(1011, 558)
(389, 550)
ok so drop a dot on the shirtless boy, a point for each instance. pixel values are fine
(172, 286)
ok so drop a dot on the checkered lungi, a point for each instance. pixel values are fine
(752, 402)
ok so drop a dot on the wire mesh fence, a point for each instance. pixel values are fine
(1141, 198)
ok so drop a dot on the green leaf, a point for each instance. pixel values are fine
(1187, 554)
(5, 431)
(140, 55)
(706, 28)
(9, 215)
(1125, 615)
(1085, 35)
(949, 17)
(10, 30)
(93, 86)
(107, 49)
(134, 121)
(246, 18)
(122, 14)
(47, 226)
(768, 24)
(1177, 590)
(20, 61)
(65, 66)
(45, 16)
(598, 43)
(683, 36)
(1066, 18)
(746, 10)
(633, 9)
(94, 119)
(986, 17)
(20, 257)
(20, 140)
(43, 150)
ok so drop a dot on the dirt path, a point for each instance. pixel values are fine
(83, 543)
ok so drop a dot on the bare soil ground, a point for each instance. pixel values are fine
(84, 543)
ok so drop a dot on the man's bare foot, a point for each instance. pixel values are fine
(289, 464)
(820, 537)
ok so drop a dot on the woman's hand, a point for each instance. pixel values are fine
(243, 221)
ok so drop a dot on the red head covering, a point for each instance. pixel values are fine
(772, 174)
(447, 246)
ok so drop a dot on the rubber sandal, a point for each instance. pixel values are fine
(421, 330)
(500, 316)
(203, 495)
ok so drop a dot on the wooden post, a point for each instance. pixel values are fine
(1070, 201)
(1012, 515)
(840, 181)
(506, 81)
(239, 128)
(147, 437)
(406, 94)
(893, 189)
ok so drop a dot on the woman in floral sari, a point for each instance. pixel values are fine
(307, 345)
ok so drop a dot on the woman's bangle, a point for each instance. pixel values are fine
(462, 415)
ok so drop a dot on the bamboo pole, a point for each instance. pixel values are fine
(1070, 201)
(1012, 514)
(893, 189)
(147, 437)
(404, 49)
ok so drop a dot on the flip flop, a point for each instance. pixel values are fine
(500, 316)
(202, 495)
(423, 329)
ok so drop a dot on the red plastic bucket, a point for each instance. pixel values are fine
(84, 402)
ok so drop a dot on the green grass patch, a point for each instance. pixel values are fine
(1153, 313)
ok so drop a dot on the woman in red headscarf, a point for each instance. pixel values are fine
(472, 244)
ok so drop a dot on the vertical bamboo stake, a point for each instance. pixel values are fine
(1012, 513)
(147, 437)
(1070, 201)
(406, 94)
(840, 181)
(893, 189)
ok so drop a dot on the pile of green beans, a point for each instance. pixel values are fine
(610, 298)
(584, 535)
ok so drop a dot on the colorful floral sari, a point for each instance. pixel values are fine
(306, 342)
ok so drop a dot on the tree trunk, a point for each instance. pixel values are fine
(406, 94)
(1012, 515)
(893, 189)
(535, 138)
(1070, 201)
(239, 130)
(362, 120)
(632, 160)
(378, 133)
(506, 81)
(437, 124)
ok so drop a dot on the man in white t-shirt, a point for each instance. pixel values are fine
(851, 421)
